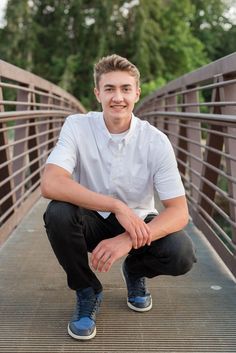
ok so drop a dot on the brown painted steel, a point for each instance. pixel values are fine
(32, 111)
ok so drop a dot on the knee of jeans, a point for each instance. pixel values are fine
(182, 266)
(183, 259)
(59, 214)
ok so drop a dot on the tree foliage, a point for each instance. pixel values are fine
(61, 40)
(210, 25)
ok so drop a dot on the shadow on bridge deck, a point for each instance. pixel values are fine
(192, 313)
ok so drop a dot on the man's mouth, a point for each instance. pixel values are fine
(116, 106)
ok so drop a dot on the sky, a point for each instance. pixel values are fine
(2, 7)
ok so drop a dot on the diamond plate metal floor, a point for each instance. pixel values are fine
(192, 313)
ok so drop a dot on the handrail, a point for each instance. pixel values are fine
(198, 113)
(32, 111)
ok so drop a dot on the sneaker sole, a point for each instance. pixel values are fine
(77, 337)
(140, 310)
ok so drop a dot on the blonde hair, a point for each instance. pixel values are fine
(114, 62)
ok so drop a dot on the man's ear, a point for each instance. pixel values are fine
(96, 92)
(138, 94)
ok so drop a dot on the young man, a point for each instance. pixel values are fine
(101, 178)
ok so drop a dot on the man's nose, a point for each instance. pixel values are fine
(117, 97)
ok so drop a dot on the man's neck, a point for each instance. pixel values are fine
(117, 126)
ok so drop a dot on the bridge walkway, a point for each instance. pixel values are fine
(192, 313)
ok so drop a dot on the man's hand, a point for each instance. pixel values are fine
(137, 229)
(110, 250)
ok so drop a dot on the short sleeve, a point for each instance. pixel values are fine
(167, 180)
(65, 153)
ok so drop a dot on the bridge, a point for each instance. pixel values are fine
(192, 313)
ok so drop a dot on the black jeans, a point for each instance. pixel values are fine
(74, 231)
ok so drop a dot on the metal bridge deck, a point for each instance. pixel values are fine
(192, 313)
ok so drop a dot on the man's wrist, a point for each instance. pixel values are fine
(117, 206)
(127, 239)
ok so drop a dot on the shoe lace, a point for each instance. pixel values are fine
(87, 307)
(138, 287)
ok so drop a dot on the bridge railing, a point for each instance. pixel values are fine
(198, 113)
(32, 111)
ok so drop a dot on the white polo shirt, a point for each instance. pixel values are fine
(127, 167)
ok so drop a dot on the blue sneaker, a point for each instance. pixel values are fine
(82, 325)
(139, 298)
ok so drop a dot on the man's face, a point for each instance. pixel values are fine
(117, 93)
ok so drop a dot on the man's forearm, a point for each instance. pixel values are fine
(170, 220)
(57, 184)
(65, 189)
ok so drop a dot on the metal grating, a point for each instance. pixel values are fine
(193, 313)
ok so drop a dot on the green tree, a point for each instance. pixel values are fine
(179, 47)
(228, 38)
(61, 40)
(210, 25)
(18, 38)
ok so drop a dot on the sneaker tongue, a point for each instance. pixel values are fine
(86, 302)
(138, 287)
(137, 292)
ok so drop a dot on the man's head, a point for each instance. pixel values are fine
(117, 90)
(114, 63)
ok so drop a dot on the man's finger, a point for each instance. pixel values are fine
(140, 237)
(108, 264)
(149, 239)
(102, 262)
(95, 257)
(147, 235)
(133, 237)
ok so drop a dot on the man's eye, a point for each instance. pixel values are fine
(108, 89)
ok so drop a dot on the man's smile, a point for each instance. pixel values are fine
(118, 106)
